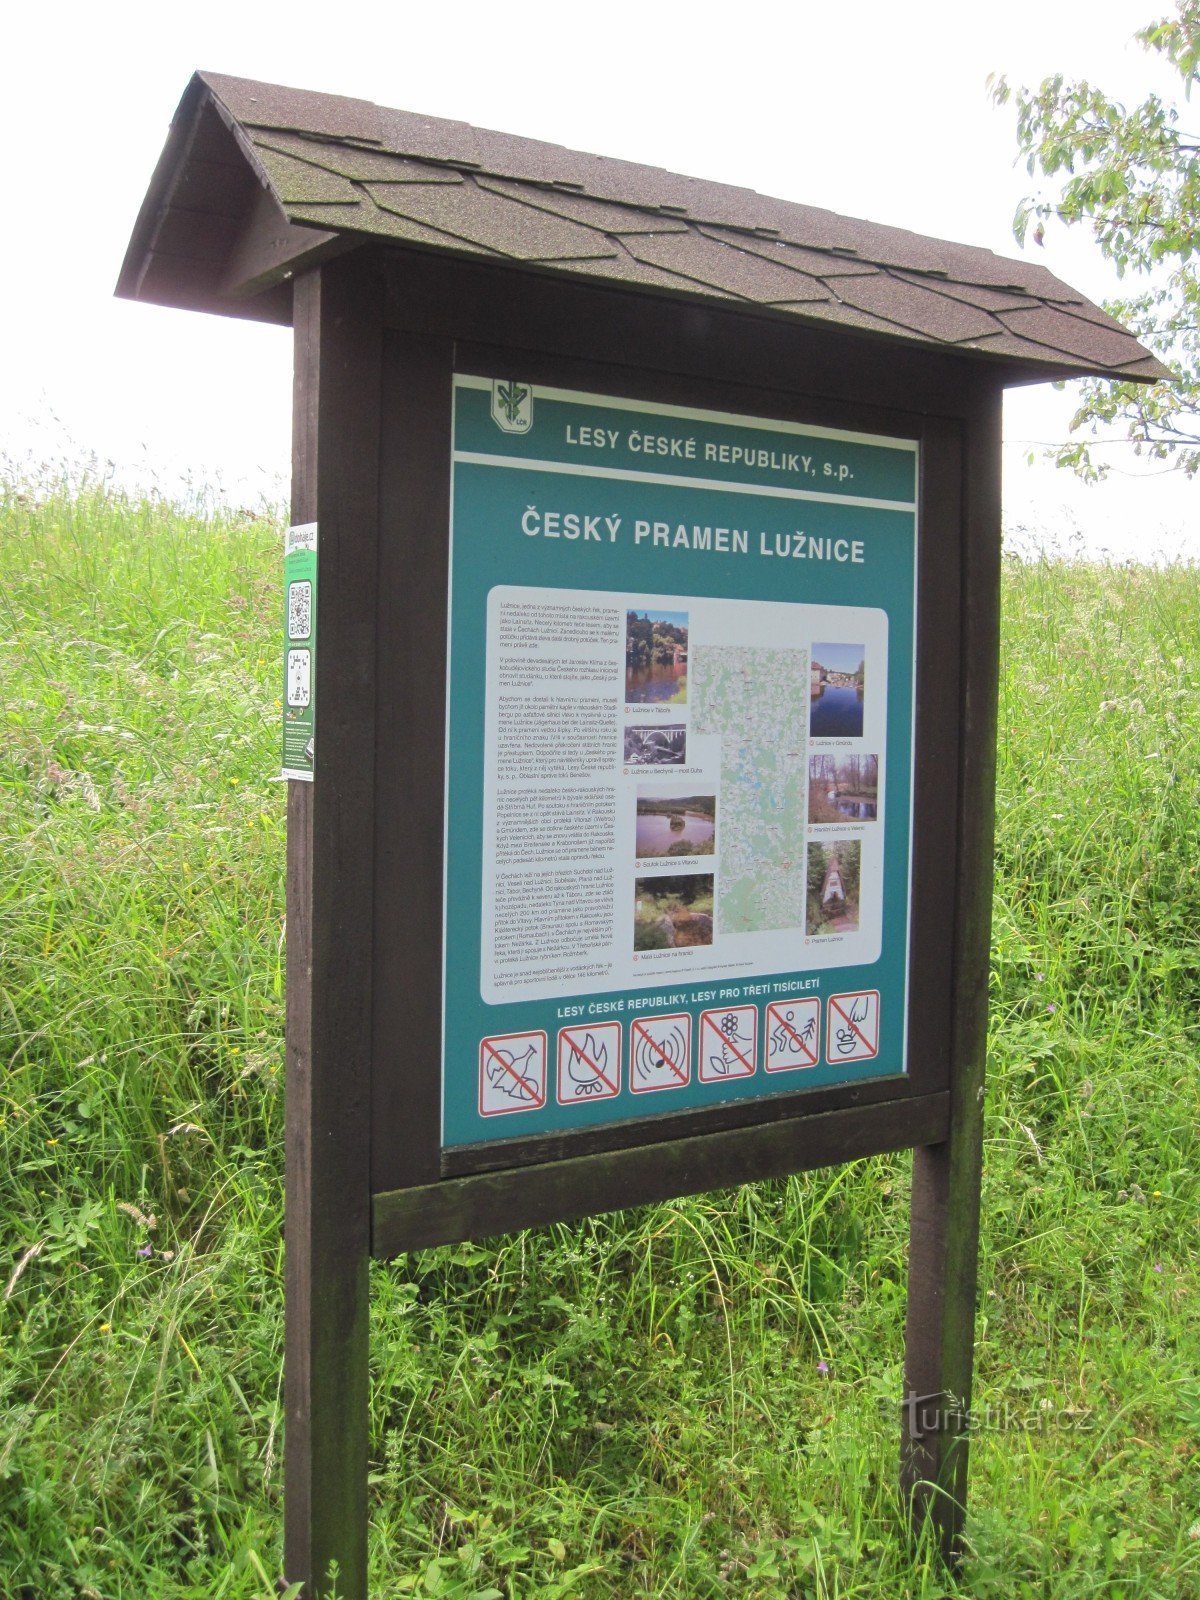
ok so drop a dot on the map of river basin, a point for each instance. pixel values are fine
(756, 702)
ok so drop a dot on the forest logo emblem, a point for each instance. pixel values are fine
(512, 406)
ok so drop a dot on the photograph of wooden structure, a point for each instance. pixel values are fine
(403, 249)
(832, 890)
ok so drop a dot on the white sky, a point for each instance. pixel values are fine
(874, 109)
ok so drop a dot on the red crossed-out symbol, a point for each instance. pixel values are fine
(574, 1056)
(638, 1030)
(794, 1037)
(517, 1086)
(744, 1057)
(852, 1019)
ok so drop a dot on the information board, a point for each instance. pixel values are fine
(679, 759)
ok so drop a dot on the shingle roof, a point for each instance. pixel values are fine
(349, 167)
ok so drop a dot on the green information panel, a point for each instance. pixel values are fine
(679, 760)
(299, 649)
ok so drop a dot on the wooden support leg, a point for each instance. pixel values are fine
(329, 912)
(944, 1227)
(939, 1337)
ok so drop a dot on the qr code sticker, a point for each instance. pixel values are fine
(299, 610)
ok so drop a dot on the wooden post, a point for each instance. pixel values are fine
(329, 942)
(944, 1223)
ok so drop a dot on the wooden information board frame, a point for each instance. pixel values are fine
(379, 336)
(404, 249)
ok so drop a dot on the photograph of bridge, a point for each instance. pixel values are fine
(656, 746)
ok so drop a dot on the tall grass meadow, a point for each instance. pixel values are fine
(692, 1400)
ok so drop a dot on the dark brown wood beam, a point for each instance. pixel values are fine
(500, 1202)
(329, 935)
(268, 249)
(947, 1175)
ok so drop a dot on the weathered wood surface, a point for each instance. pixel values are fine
(944, 1226)
(410, 760)
(269, 249)
(499, 1202)
(330, 881)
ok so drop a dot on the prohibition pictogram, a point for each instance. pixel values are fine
(793, 1035)
(853, 1032)
(728, 1044)
(589, 1063)
(512, 1073)
(660, 1052)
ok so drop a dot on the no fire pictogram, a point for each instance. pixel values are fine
(660, 1052)
(512, 1073)
(793, 1035)
(853, 1030)
(728, 1044)
(589, 1063)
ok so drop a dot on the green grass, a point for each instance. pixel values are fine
(633, 1406)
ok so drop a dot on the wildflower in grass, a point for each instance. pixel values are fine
(823, 1368)
(146, 1250)
(1052, 1008)
(1158, 1266)
(106, 1327)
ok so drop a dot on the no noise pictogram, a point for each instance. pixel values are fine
(660, 1052)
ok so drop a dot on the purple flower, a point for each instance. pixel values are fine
(146, 1250)
(1158, 1266)
(1052, 1008)
(823, 1368)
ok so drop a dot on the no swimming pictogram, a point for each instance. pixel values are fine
(728, 1043)
(853, 1033)
(589, 1063)
(793, 1035)
(512, 1073)
(660, 1052)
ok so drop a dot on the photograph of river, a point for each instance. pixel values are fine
(676, 825)
(843, 788)
(837, 680)
(656, 652)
